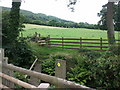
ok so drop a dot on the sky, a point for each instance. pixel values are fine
(85, 10)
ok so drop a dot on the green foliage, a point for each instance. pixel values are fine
(82, 50)
(16, 49)
(98, 70)
(116, 49)
(105, 73)
(101, 72)
(92, 54)
(20, 54)
(79, 75)
(48, 67)
(103, 14)
(10, 34)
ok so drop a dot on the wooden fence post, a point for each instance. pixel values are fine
(1, 59)
(39, 36)
(60, 69)
(80, 42)
(48, 41)
(33, 80)
(36, 38)
(8, 72)
(62, 43)
(100, 43)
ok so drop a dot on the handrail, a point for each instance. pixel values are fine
(16, 81)
(47, 78)
(5, 87)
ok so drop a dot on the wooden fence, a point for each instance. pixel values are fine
(78, 43)
(8, 80)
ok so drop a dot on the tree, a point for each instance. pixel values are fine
(103, 14)
(11, 24)
(110, 25)
(117, 23)
(16, 49)
(15, 19)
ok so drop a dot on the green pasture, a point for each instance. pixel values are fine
(59, 32)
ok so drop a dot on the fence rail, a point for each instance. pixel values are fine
(77, 43)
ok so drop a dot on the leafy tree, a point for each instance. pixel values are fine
(103, 14)
(16, 49)
(11, 24)
(15, 19)
(117, 23)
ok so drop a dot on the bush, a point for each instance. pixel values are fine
(82, 50)
(93, 69)
(48, 67)
(20, 54)
(116, 50)
(92, 54)
(105, 73)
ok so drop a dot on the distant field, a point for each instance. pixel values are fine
(65, 32)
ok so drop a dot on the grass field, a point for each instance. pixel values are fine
(65, 32)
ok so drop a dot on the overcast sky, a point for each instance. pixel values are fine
(85, 10)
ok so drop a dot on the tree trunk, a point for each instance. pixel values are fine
(14, 19)
(110, 25)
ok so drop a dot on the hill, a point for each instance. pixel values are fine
(42, 19)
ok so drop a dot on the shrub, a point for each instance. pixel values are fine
(20, 54)
(105, 73)
(82, 50)
(92, 54)
(116, 50)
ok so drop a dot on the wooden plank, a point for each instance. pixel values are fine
(79, 39)
(16, 81)
(33, 80)
(95, 46)
(44, 85)
(80, 42)
(72, 45)
(56, 44)
(82, 46)
(3, 86)
(47, 78)
(75, 39)
(64, 42)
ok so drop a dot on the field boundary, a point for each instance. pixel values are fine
(78, 43)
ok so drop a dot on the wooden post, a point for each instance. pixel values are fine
(39, 36)
(48, 41)
(33, 80)
(36, 38)
(62, 43)
(8, 72)
(80, 42)
(60, 68)
(100, 43)
(1, 59)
